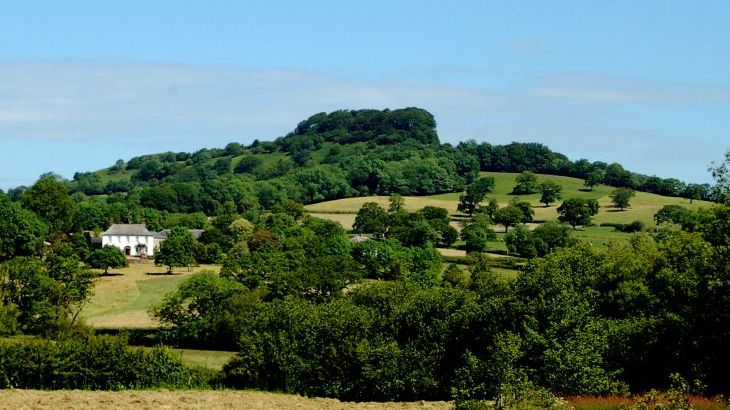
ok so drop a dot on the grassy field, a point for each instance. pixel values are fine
(121, 300)
(643, 207)
(352, 205)
(205, 399)
(209, 359)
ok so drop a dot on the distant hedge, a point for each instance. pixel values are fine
(92, 363)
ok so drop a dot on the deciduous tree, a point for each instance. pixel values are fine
(50, 200)
(509, 216)
(594, 177)
(474, 195)
(477, 233)
(551, 191)
(177, 250)
(578, 211)
(21, 232)
(107, 257)
(526, 184)
(371, 218)
(621, 197)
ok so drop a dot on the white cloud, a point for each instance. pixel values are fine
(626, 90)
(53, 100)
(88, 107)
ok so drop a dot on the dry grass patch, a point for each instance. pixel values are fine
(346, 220)
(208, 400)
(352, 205)
(452, 252)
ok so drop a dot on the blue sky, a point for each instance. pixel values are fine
(83, 83)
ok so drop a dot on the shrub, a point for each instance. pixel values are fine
(636, 226)
(91, 363)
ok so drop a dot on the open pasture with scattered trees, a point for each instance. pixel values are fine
(489, 275)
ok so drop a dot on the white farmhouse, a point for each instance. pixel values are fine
(132, 239)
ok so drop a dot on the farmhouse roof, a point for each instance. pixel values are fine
(163, 234)
(128, 230)
(359, 239)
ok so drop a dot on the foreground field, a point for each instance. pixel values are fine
(209, 400)
(121, 300)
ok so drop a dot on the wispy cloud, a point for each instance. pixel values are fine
(80, 100)
(79, 115)
(625, 90)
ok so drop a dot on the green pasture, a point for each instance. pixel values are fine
(123, 299)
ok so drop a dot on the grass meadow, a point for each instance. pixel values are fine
(122, 298)
(643, 207)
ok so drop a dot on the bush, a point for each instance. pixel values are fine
(92, 363)
(636, 226)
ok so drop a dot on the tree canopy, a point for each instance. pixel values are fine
(107, 257)
(578, 211)
(550, 191)
(177, 250)
(621, 197)
(475, 194)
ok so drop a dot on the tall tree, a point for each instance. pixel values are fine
(477, 233)
(578, 211)
(721, 174)
(21, 232)
(621, 197)
(509, 216)
(177, 250)
(594, 177)
(526, 184)
(107, 257)
(371, 218)
(396, 204)
(521, 241)
(551, 191)
(695, 191)
(49, 199)
(528, 213)
(474, 195)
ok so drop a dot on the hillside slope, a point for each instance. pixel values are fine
(343, 154)
(643, 205)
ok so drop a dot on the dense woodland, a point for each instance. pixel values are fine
(313, 312)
